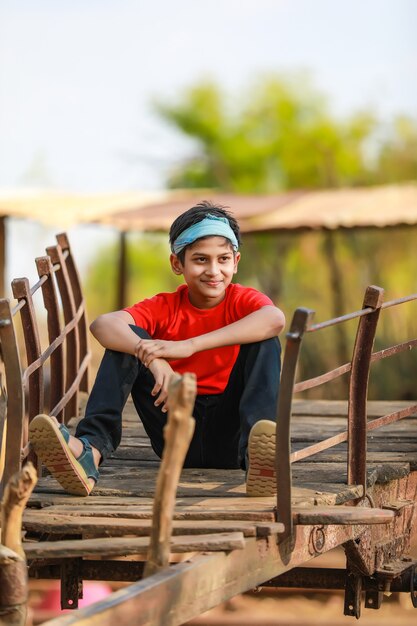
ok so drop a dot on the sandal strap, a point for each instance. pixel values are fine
(86, 460)
(64, 432)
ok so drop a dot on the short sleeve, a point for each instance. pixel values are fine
(146, 313)
(247, 300)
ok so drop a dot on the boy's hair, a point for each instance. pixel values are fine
(196, 214)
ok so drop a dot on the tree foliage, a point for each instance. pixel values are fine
(280, 135)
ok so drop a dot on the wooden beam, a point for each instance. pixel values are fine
(61, 523)
(185, 590)
(126, 546)
(341, 515)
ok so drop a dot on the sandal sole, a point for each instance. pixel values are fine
(261, 477)
(51, 447)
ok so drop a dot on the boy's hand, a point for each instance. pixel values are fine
(162, 372)
(149, 349)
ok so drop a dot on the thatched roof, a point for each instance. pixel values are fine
(380, 206)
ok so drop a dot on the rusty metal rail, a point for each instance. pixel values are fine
(359, 369)
(67, 355)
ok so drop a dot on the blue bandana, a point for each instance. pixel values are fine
(210, 225)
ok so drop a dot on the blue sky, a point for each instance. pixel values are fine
(77, 77)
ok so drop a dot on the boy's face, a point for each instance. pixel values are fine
(208, 270)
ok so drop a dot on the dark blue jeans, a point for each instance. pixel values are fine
(223, 421)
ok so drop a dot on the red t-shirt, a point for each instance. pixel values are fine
(172, 317)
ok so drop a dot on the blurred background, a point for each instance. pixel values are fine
(130, 99)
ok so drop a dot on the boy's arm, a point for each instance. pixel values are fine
(266, 322)
(112, 330)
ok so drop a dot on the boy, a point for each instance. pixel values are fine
(225, 333)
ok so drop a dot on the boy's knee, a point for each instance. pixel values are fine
(141, 332)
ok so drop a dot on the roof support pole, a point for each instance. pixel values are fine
(122, 271)
(2, 256)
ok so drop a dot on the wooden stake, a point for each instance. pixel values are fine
(16, 495)
(177, 434)
(13, 569)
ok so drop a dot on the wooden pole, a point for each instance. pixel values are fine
(177, 434)
(337, 294)
(13, 568)
(122, 277)
(2, 256)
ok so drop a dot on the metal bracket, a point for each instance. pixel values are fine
(373, 598)
(397, 505)
(71, 583)
(353, 595)
(413, 586)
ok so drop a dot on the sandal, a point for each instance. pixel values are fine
(261, 475)
(50, 442)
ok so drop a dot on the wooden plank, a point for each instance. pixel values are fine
(40, 500)
(124, 546)
(140, 512)
(103, 526)
(342, 515)
(308, 494)
(209, 484)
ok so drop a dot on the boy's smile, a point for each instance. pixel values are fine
(208, 270)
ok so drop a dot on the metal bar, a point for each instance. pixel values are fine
(55, 348)
(392, 417)
(15, 400)
(343, 369)
(391, 303)
(54, 345)
(21, 291)
(343, 436)
(358, 387)
(339, 320)
(73, 388)
(318, 447)
(333, 578)
(72, 341)
(324, 378)
(300, 322)
(35, 288)
(128, 571)
(74, 278)
(361, 313)
(18, 307)
(399, 347)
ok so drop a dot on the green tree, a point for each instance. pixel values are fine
(397, 156)
(281, 135)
